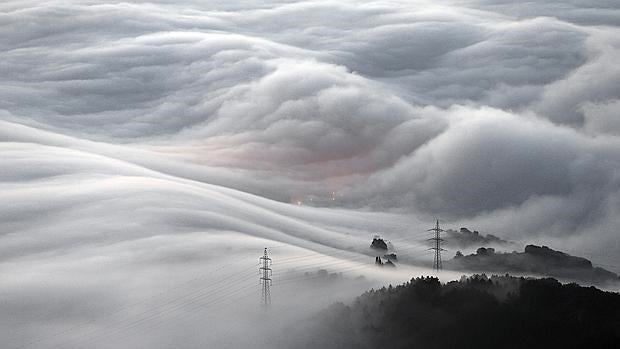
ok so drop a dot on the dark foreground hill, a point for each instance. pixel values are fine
(476, 312)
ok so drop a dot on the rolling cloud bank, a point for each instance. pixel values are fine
(143, 143)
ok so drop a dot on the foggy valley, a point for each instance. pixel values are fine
(151, 152)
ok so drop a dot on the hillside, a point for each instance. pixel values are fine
(538, 260)
(475, 312)
(464, 238)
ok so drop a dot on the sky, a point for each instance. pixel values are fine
(159, 138)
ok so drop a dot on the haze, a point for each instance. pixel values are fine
(150, 150)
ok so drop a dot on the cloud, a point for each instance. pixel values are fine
(360, 99)
(594, 82)
(490, 158)
(601, 117)
(582, 12)
(135, 135)
(360, 96)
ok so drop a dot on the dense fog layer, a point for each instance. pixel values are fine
(150, 150)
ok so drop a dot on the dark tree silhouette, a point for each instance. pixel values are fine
(475, 312)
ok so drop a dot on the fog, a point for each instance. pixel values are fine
(150, 151)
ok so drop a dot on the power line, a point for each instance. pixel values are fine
(167, 307)
(197, 297)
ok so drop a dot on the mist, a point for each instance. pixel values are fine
(150, 151)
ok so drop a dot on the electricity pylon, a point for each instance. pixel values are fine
(437, 246)
(265, 279)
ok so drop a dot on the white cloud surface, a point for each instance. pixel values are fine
(135, 134)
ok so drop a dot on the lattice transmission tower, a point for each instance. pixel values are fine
(437, 241)
(265, 279)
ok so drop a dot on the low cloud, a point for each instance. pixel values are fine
(125, 122)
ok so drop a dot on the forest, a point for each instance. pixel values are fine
(474, 312)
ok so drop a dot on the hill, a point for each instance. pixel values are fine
(540, 260)
(475, 312)
(464, 238)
